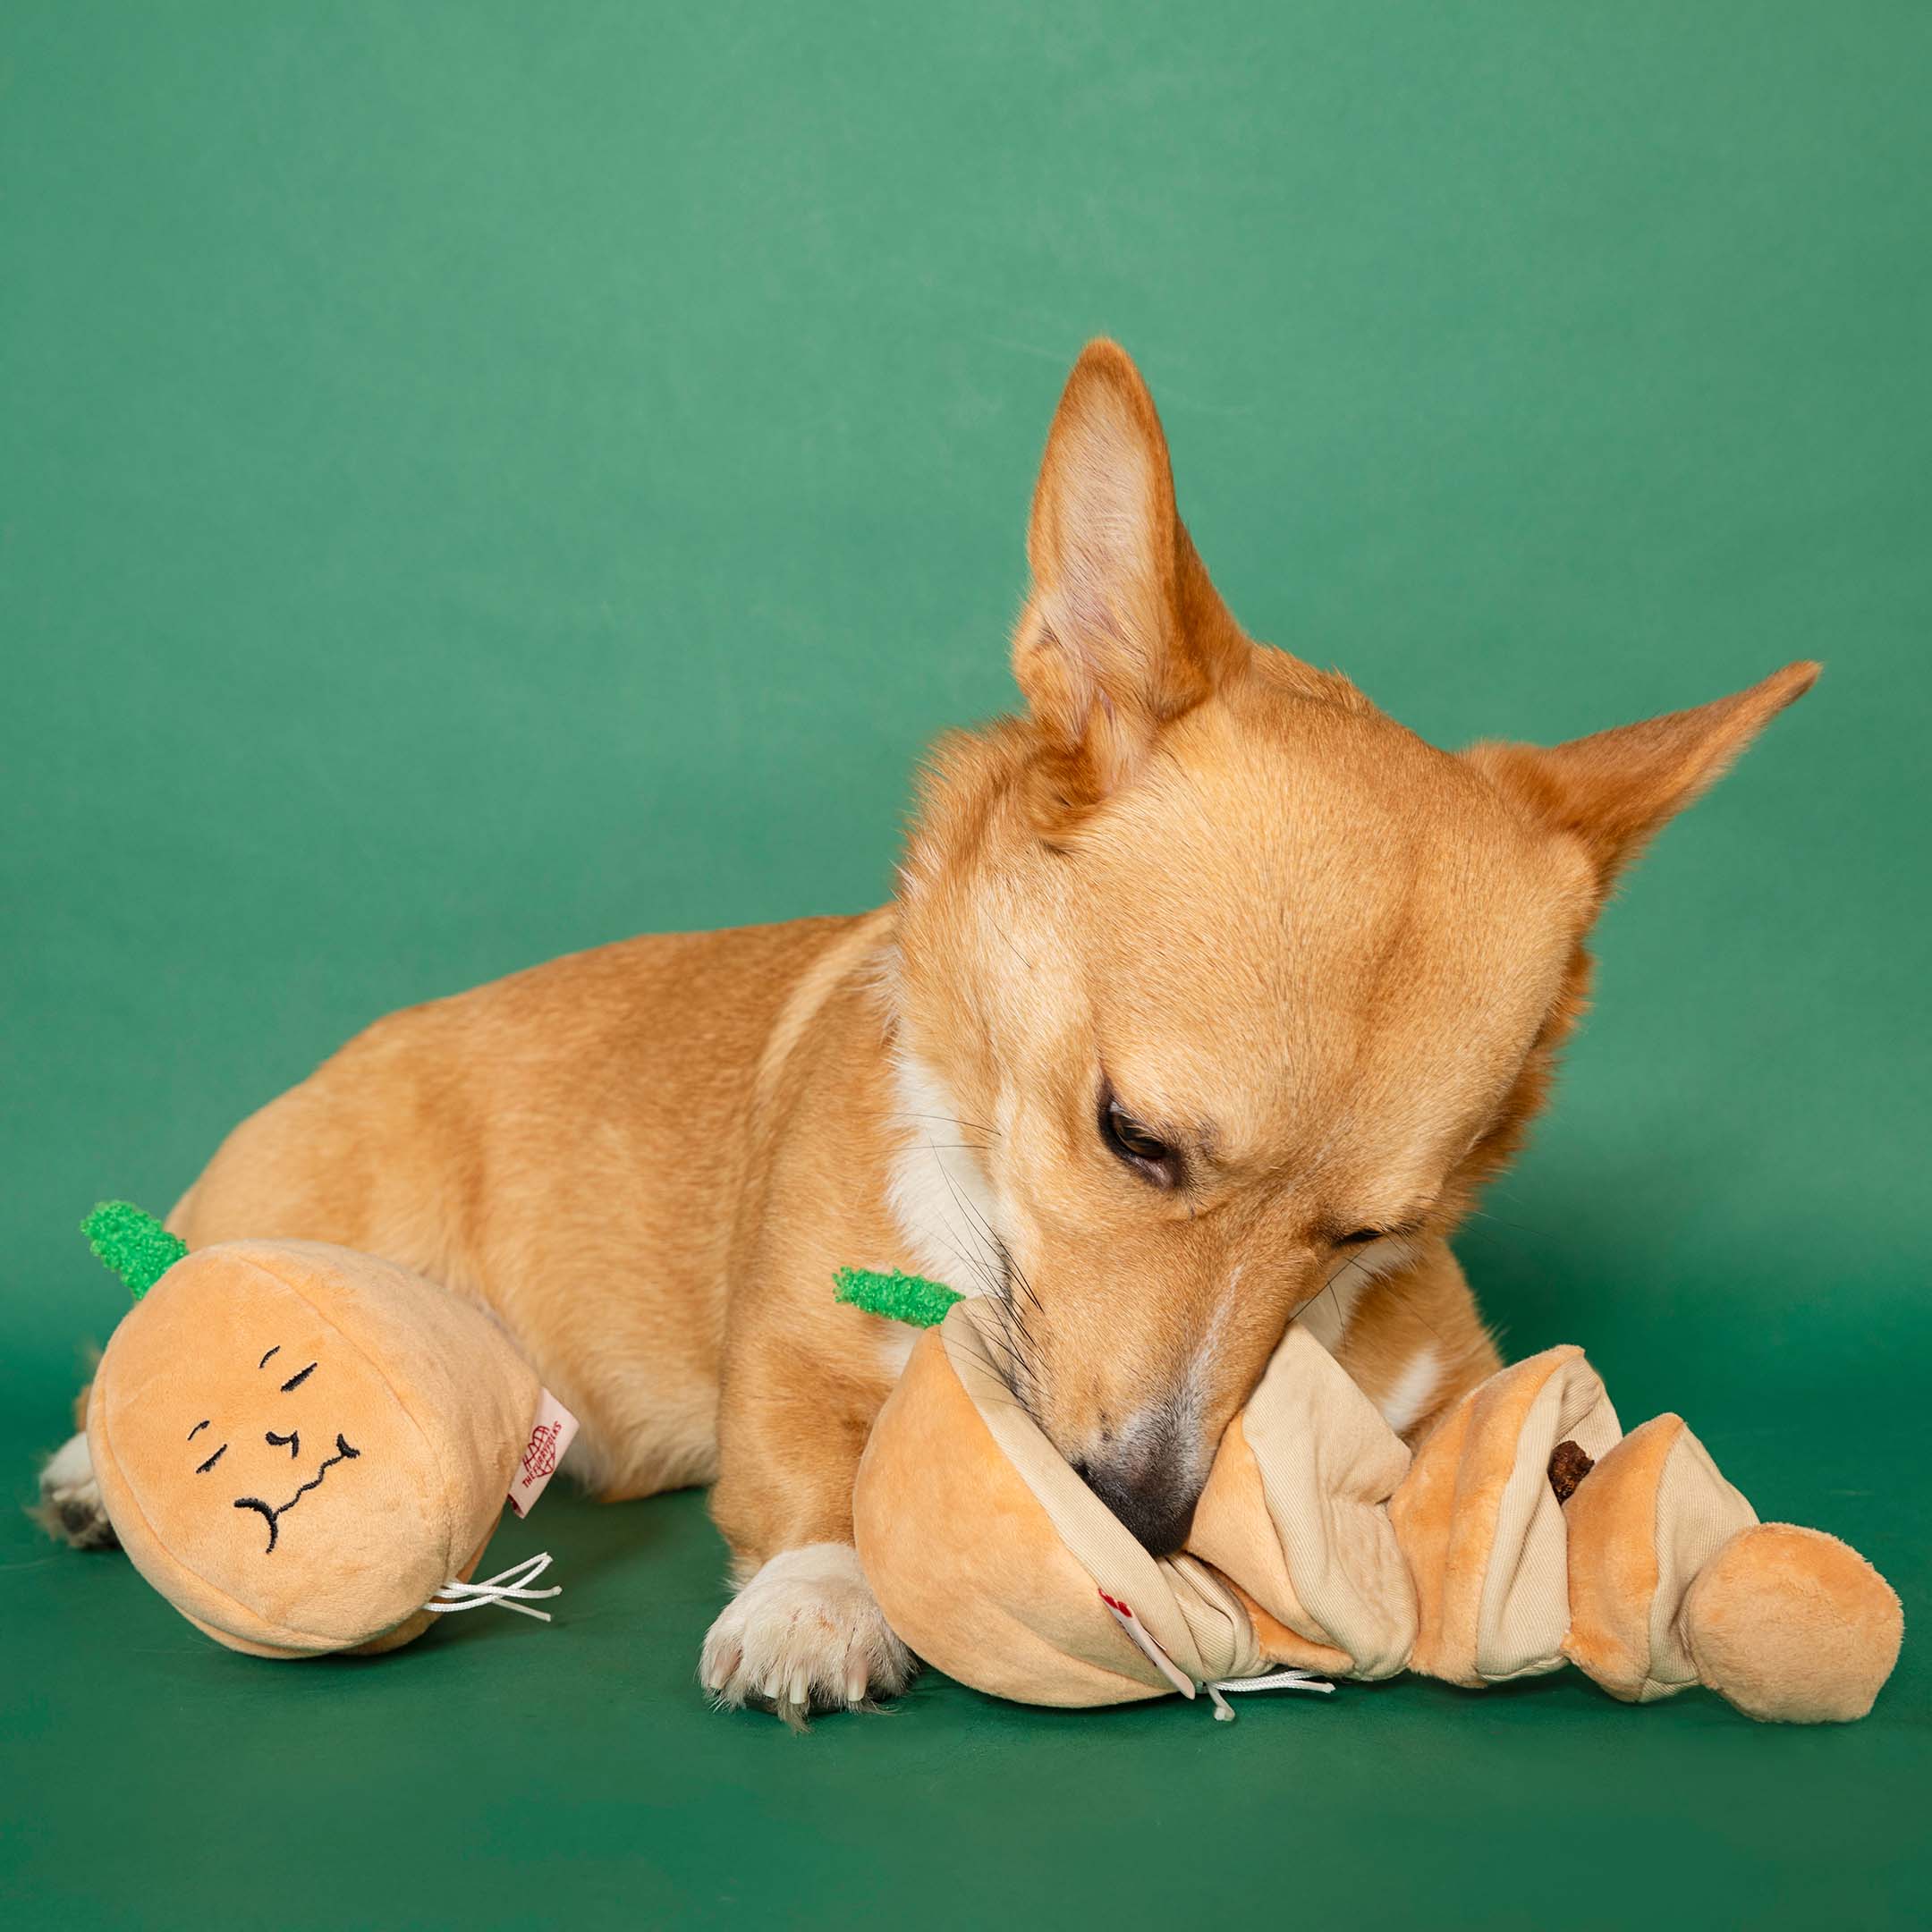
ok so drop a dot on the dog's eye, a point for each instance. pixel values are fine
(1139, 1146)
(1360, 1238)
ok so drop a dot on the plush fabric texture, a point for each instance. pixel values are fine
(1651, 1515)
(1014, 1605)
(1009, 1608)
(133, 1244)
(1613, 1568)
(1320, 1554)
(1793, 1626)
(298, 1445)
(1527, 1532)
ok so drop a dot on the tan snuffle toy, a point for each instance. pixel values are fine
(1527, 1531)
(308, 1450)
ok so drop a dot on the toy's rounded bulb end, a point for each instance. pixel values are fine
(1793, 1626)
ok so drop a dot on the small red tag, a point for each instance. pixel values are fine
(550, 1435)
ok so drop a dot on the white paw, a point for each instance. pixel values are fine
(70, 1504)
(804, 1634)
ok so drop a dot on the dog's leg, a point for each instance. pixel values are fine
(71, 1505)
(804, 1632)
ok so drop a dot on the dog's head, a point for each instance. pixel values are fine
(1235, 988)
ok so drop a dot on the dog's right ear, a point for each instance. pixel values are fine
(1102, 651)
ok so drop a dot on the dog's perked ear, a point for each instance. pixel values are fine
(1614, 789)
(1121, 631)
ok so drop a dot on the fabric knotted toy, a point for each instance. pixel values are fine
(1528, 1531)
(305, 1449)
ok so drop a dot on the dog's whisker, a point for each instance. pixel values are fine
(1019, 1274)
(972, 1267)
(954, 1120)
(1008, 1371)
(1483, 1214)
(1012, 1273)
(966, 1207)
(1018, 1369)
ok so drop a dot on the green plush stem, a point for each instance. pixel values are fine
(132, 1243)
(906, 1297)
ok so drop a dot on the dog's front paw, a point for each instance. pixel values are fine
(805, 1633)
(71, 1505)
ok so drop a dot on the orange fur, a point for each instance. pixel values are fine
(1325, 964)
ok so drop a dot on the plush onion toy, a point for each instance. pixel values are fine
(1527, 1532)
(305, 1449)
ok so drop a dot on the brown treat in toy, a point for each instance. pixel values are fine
(1483, 1532)
(1793, 1626)
(1569, 1464)
(1645, 1521)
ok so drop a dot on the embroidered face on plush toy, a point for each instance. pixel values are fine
(269, 1436)
(250, 1403)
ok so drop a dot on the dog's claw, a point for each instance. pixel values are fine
(804, 1634)
(719, 1666)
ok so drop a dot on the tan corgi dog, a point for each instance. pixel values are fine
(1209, 997)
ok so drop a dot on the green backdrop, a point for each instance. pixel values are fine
(479, 481)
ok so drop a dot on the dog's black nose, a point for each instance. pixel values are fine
(1157, 1508)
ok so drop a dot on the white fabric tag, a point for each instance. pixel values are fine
(1143, 1639)
(550, 1435)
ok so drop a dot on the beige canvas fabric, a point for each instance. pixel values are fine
(1328, 1464)
(1016, 1606)
(1695, 1513)
(1698, 1512)
(1295, 1518)
(1318, 1542)
(1484, 1535)
(1525, 1607)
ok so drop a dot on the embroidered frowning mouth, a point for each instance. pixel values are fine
(344, 1453)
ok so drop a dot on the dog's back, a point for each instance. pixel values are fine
(570, 1146)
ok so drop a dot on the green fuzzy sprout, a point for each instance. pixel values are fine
(133, 1245)
(907, 1298)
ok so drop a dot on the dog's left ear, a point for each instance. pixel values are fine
(1613, 790)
